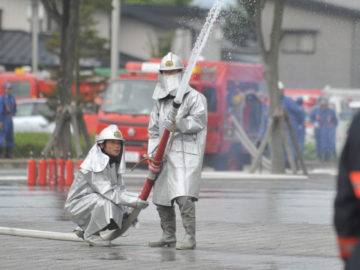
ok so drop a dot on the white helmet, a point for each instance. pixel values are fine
(110, 133)
(281, 85)
(171, 62)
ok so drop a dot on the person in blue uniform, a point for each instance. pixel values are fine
(314, 119)
(300, 130)
(7, 111)
(326, 121)
(295, 115)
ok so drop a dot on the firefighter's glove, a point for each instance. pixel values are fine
(154, 168)
(170, 125)
(129, 199)
(138, 203)
(141, 204)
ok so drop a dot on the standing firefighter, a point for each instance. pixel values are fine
(98, 199)
(324, 118)
(347, 201)
(179, 179)
(7, 111)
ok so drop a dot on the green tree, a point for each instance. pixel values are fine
(87, 44)
(66, 15)
(88, 38)
(238, 27)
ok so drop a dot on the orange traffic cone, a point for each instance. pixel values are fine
(69, 164)
(42, 170)
(31, 165)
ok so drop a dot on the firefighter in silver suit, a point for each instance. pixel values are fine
(97, 199)
(179, 178)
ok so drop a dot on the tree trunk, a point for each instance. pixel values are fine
(79, 116)
(270, 58)
(61, 139)
(276, 146)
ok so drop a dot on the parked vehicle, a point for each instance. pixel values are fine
(25, 85)
(28, 85)
(228, 87)
(31, 116)
(34, 115)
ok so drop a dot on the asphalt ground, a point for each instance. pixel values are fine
(243, 222)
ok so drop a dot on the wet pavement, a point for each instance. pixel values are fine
(243, 223)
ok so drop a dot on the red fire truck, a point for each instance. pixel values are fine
(29, 86)
(228, 87)
(25, 85)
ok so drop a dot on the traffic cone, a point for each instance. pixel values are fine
(52, 170)
(31, 165)
(61, 171)
(42, 170)
(69, 164)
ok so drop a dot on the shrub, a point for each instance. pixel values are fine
(310, 151)
(35, 142)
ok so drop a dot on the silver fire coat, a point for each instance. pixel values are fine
(181, 170)
(98, 193)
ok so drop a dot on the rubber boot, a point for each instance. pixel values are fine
(8, 153)
(95, 240)
(79, 232)
(187, 210)
(168, 226)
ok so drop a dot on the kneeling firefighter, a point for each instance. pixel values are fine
(179, 178)
(97, 199)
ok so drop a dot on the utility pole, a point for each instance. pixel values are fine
(115, 27)
(35, 34)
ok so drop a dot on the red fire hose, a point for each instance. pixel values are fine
(154, 166)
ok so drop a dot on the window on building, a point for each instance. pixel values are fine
(298, 41)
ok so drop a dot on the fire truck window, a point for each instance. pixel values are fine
(20, 89)
(210, 94)
(129, 97)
